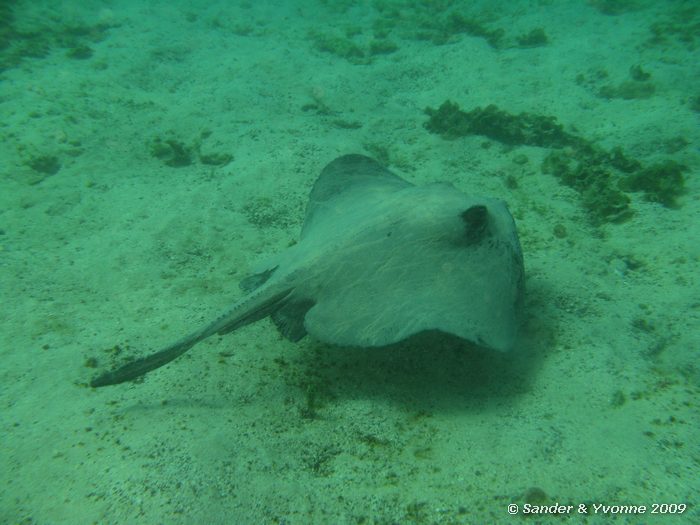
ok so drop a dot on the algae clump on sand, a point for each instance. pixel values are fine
(603, 178)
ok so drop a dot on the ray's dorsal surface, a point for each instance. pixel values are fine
(378, 260)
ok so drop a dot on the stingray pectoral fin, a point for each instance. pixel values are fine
(246, 311)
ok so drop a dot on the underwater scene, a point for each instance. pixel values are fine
(376, 262)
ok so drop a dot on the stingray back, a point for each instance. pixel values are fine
(400, 259)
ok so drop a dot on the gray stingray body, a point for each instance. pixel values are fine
(378, 260)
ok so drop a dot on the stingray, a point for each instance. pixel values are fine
(379, 260)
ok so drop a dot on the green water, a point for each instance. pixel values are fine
(153, 152)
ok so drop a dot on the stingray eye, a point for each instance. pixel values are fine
(475, 220)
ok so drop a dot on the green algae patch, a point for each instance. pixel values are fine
(695, 103)
(437, 21)
(215, 159)
(41, 166)
(382, 47)
(617, 7)
(176, 153)
(350, 47)
(637, 87)
(535, 38)
(22, 41)
(80, 52)
(596, 182)
(451, 122)
(603, 178)
(44, 164)
(628, 90)
(456, 23)
(679, 28)
(440, 30)
(172, 152)
(340, 46)
(663, 182)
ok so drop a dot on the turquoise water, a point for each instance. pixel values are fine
(154, 152)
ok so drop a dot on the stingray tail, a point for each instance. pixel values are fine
(241, 314)
(142, 366)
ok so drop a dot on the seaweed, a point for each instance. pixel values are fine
(172, 152)
(680, 27)
(176, 154)
(45, 164)
(536, 496)
(440, 31)
(675, 144)
(523, 129)
(457, 23)
(638, 74)
(80, 52)
(637, 86)
(603, 199)
(382, 47)
(617, 7)
(627, 90)
(535, 38)
(695, 104)
(346, 124)
(662, 182)
(436, 21)
(595, 182)
(603, 178)
(215, 159)
(18, 44)
(42, 166)
(346, 47)
(343, 47)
